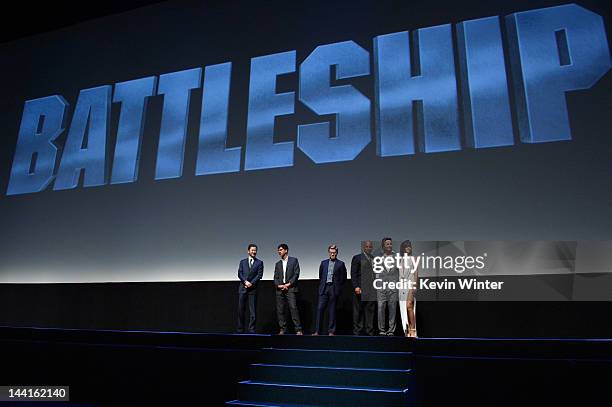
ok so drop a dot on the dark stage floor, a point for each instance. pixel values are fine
(125, 368)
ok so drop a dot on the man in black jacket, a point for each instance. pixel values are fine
(286, 275)
(250, 271)
(364, 298)
(332, 275)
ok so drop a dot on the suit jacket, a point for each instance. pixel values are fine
(362, 273)
(362, 276)
(252, 276)
(292, 276)
(339, 276)
(391, 274)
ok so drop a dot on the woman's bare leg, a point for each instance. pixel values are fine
(411, 314)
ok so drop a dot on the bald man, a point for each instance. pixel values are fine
(364, 296)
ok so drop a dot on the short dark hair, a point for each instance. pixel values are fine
(385, 239)
(333, 246)
(251, 245)
(283, 246)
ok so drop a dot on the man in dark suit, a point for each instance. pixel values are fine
(332, 275)
(364, 298)
(250, 271)
(286, 275)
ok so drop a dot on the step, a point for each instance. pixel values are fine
(264, 404)
(338, 358)
(319, 395)
(346, 342)
(334, 376)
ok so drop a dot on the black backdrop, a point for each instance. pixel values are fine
(212, 307)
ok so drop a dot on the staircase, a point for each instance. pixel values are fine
(331, 371)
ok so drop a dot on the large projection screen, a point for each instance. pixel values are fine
(155, 145)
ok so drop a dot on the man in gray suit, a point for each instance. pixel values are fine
(286, 275)
(387, 297)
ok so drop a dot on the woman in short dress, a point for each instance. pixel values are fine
(408, 275)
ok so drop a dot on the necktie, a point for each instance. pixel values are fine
(250, 263)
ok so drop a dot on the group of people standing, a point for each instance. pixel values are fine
(332, 276)
(367, 300)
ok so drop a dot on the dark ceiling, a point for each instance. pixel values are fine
(22, 19)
